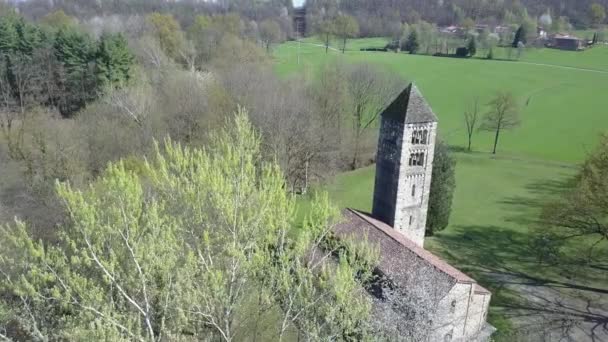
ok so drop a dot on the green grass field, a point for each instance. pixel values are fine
(561, 108)
(497, 199)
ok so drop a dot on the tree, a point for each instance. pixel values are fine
(471, 115)
(168, 32)
(270, 33)
(345, 27)
(443, 184)
(520, 37)
(58, 20)
(326, 31)
(190, 244)
(369, 91)
(582, 210)
(75, 51)
(113, 60)
(597, 12)
(503, 114)
(412, 44)
(472, 46)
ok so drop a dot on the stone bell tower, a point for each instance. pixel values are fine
(404, 164)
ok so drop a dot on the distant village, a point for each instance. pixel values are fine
(562, 41)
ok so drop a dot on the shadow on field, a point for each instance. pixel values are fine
(538, 194)
(545, 302)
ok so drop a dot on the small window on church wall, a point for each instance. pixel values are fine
(411, 220)
(421, 159)
(413, 190)
(448, 337)
(453, 307)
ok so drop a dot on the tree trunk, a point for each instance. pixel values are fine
(344, 45)
(469, 143)
(496, 140)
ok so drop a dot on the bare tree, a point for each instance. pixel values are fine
(470, 119)
(503, 114)
(369, 90)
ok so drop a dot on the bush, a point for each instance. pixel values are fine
(462, 52)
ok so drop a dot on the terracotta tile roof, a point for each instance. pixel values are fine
(360, 224)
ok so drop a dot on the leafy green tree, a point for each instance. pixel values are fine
(58, 20)
(190, 244)
(520, 36)
(597, 12)
(443, 184)
(412, 44)
(472, 46)
(168, 33)
(113, 60)
(581, 212)
(345, 27)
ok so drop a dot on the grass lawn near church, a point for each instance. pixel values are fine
(563, 110)
(496, 202)
(497, 199)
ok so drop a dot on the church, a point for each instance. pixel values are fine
(418, 296)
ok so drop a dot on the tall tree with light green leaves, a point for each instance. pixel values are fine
(191, 244)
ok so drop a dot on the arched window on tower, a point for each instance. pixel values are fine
(413, 190)
(425, 135)
(420, 159)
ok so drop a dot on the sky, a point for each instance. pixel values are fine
(298, 3)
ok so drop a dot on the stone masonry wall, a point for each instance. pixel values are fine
(411, 211)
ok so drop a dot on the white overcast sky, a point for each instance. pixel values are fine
(298, 3)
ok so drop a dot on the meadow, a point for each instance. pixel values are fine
(498, 198)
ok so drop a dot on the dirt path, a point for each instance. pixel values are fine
(565, 67)
(555, 311)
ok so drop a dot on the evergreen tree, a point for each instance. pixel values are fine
(472, 47)
(75, 52)
(443, 184)
(520, 36)
(114, 60)
(412, 45)
(29, 37)
(9, 38)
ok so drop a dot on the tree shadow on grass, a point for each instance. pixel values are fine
(538, 194)
(547, 302)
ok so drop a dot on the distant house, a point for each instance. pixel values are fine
(567, 42)
(451, 30)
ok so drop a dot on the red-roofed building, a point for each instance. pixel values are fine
(417, 295)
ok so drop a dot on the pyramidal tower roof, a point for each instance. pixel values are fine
(410, 107)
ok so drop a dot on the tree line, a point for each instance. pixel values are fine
(383, 18)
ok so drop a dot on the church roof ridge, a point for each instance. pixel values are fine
(427, 256)
(410, 107)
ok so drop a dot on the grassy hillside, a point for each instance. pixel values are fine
(498, 198)
(559, 105)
